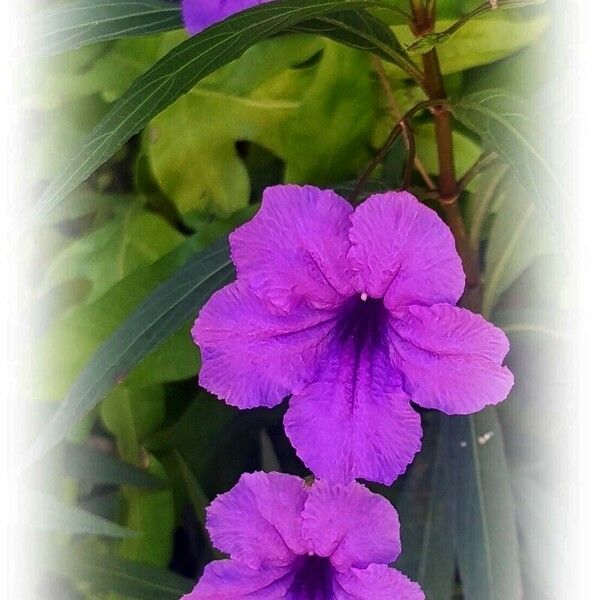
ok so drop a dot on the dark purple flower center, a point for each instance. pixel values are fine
(362, 323)
(313, 578)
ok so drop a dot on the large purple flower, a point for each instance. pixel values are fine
(352, 314)
(288, 541)
(200, 14)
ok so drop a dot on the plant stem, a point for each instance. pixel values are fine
(448, 185)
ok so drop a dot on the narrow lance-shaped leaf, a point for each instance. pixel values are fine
(481, 506)
(161, 314)
(77, 24)
(86, 464)
(51, 514)
(106, 573)
(178, 71)
(503, 123)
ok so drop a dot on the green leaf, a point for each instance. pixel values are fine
(152, 515)
(481, 41)
(111, 574)
(175, 74)
(77, 24)
(503, 123)
(161, 314)
(54, 515)
(426, 535)
(86, 464)
(517, 237)
(318, 145)
(481, 506)
(135, 237)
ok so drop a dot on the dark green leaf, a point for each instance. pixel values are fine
(481, 506)
(52, 514)
(105, 574)
(178, 71)
(503, 123)
(155, 319)
(85, 464)
(89, 21)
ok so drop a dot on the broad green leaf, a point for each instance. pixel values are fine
(318, 145)
(549, 323)
(195, 493)
(518, 235)
(481, 506)
(481, 41)
(176, 73)
(160, 315)
(504, 125)
(135, 237)
(85, 22)
(49, 513)
(73, 338)
(105, 573)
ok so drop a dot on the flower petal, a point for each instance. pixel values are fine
(251, 357)
(295, 248)
(200, 14)
(351, 525)
(232, 580)
(258, 522)
(377, 582)
(451, 358)
(403, 252)
(354, 420)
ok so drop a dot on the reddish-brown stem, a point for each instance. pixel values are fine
(448, 185)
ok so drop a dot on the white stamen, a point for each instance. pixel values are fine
(364, 296)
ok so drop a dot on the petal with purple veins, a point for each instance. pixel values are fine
(403, 252)
(354, 420)
(232, 580)
(294, 250)
(251, 357)
(258, 522)
(350, 525)
(376, 582)
(451, 358)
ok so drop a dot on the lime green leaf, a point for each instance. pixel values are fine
(176, 73)
(481, 41)
(85, 22)
(52, 514)
(135, 237)
(319, 147)
(160, 315)
(152, 515)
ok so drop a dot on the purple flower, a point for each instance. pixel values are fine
(288, 541)
(200, 14)
(352, 313)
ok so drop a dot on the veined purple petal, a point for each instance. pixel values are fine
(294, 250)
(251, 357)
(451, 358)
(355, 420)
(403, 252)
(350, 525)
(376, 582)
(233, 580)
(258, 522)
(200, 14)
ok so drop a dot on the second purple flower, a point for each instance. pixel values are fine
(352, 313)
